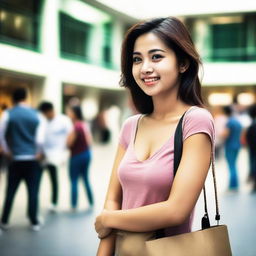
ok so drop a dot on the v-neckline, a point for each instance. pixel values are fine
(167, 142)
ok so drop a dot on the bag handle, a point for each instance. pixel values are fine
(178, 147)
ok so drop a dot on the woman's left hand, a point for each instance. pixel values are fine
(100, 228)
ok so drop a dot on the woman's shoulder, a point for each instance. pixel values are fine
(126, 130)
(196, 114)
(198, 120)
(78, 125)
(131, 120)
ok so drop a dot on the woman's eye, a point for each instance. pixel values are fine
(136, 59)
(157, 57)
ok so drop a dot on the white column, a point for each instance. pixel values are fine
(202, 38)
(95, 43)
(118, 35)
(52, 87)
(52, 91)
(50, 28)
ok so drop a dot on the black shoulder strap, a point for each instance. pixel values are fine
(178, 144)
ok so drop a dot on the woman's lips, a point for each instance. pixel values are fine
(150, 81)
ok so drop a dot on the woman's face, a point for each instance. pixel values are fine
(155, 68)
(70, 113)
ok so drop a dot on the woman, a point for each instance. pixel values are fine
(79, 141)
(160, 68)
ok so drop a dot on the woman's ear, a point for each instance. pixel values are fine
(184, 66)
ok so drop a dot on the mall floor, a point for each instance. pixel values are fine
(72, 234)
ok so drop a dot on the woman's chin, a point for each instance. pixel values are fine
(151, 92)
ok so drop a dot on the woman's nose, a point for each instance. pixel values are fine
(146, 68)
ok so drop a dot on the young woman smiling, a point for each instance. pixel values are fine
(160, 68)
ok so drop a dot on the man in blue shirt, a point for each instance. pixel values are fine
(232, 135)
(21, 135)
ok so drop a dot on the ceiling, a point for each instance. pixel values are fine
(142, 9)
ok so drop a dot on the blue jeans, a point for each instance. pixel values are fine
(79, 168)
(231, 156)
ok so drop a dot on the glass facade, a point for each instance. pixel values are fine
(225, 38)
(228, 42)
(74, 38)
(89, 42)
(107, 42)
(19, 23)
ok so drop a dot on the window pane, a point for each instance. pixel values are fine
(229, 41)
(25, 5)
(74, 37)
(19, 22)
(107, 43)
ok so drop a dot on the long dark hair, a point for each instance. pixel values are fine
(77, 110)
(175, 35)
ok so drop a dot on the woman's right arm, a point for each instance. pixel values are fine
(112, 202)
(71, 138)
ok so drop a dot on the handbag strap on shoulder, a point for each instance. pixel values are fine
(178, 147)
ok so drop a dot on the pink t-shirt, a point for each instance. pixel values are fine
(150, 181)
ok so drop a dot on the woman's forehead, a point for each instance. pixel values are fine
(147, 42)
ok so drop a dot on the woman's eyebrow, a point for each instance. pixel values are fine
(150, 51)
(155, 50)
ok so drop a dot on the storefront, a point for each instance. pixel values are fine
(9, 81)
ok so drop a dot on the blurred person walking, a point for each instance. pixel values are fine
(55, 145)
(232, 137)
(251, 142)
(22, 138)
(100, 127)
(220, 121)
(79, 141)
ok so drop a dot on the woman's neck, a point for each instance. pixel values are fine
(167, 106)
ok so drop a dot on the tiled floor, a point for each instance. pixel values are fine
(67, 233)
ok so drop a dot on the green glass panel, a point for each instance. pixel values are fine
(19, 22)
(74, 37)
(107, 43)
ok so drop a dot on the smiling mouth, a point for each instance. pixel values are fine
(150, 80)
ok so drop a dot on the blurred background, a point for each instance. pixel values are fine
(67, 51)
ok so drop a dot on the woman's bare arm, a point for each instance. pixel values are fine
(112, 202)
(88, 135)
(71, 138)
(185, 191)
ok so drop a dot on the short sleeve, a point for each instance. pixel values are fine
(127, 129)
(229, 124)
(198, 120)
(77, 127)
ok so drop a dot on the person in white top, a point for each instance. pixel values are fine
(58, 126)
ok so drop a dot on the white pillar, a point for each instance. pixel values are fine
(50, 28)
(118, 34)
(52, 87)
(53, 91)
(202, 38)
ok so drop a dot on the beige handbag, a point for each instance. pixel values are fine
(210, 241)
